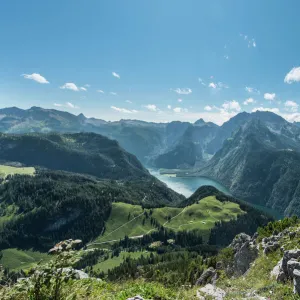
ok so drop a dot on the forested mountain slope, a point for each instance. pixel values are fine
(260, 165)
(87, 153)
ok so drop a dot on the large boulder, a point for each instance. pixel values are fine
(211, 291)
(245, 252)
(207, 275)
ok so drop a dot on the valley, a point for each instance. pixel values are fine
(160, 225)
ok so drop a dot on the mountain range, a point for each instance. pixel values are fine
(255, 155)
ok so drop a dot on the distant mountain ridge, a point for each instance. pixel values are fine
(176, 145)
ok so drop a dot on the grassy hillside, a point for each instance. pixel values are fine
(16, 259)
(129, 220)
(125, 219)
(111, 263)
(9, 170)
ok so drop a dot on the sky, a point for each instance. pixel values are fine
(151, 60)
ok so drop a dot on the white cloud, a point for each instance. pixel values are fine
(151, 107)
(269, 96)
(83, 88)
(71, 105)
(179, 100)
(67, 105)
(248, 101)
(208, 108)
(70, 86)
(184, 91)
(219, 85)
(201, 81)
(212, 85)
(36, 77)
(116, 75)
(250, 41)
(100, 91)
(294, 117)
(231, 106)
(274, 110)
(291, 106)
(87, 85)
(169, 107)
(292, 76)
(177, 109)
(113, 93)
(222, 85)
(252, 90)
(124, 110)
(128, 101)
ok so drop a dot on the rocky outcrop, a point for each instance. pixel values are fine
(76, 274)
(288, 268)
(211, 291)
(206, 276)
(296, 281)
(66, 245)
(245, 252)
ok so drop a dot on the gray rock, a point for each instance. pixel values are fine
(296, 281)
(77, 274)
(288, 255)
(138, 297)
(271, 247)
(292, 265)
(206, 276)
(212, 291)
(276, 270)
(281, 277)
(219, 265)
(244, 256)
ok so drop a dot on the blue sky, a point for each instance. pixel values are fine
(154, 60)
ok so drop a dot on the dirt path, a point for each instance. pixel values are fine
(174, 217)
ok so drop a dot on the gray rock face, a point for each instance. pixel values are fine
(245, 252)
(292, 265)
(296, 281)
(206, 276)
(289, 268)
(288, 255)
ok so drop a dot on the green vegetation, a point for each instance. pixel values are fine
(85, 153)
(125, 219)
(276, 226)
(258, 278)
(202, 215)
(9, 170)
(129, 220)
(16, 259)
(110, 263)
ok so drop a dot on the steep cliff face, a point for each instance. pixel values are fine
(260, 165)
